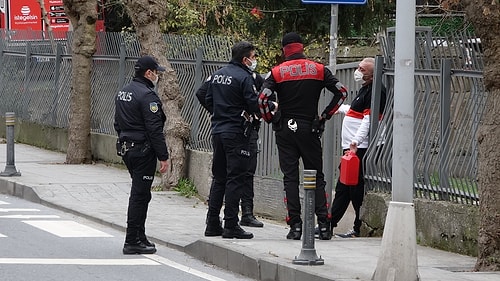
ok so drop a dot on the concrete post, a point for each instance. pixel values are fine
(398, 257)
(10, 168)
(398, 254)
(308, 254)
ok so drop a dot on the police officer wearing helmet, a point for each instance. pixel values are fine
(296, 84)
(139, 121)
(230, 97)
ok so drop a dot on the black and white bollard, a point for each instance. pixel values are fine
(308, 254)
(10, 168)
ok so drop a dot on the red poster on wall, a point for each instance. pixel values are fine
(25, 15)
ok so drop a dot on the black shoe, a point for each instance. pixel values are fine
(139, 248)
(295, 232)
(250, 220)
(324, 231)
(148, 243)
(213, 230)
(236, 232)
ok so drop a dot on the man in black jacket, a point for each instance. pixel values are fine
(139, 121)
(247, 195)
(298, 83)
(231, 99)
(355, 132)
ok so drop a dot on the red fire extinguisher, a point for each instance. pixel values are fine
(349, 168)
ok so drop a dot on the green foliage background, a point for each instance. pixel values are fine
(264, 22)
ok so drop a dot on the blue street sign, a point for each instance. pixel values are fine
(352, 2)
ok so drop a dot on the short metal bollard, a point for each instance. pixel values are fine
(308, 254)
(10, 168)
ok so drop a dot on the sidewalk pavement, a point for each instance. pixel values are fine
(100, 192)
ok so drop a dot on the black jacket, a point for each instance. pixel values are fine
(298, 83)
(226, 94)
(139, 116)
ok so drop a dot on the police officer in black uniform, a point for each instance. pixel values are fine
(247, 216)
(139, 121)
(298, 83)
(231, 99)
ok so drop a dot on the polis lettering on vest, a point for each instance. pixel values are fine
(222, 79)
(298, 70)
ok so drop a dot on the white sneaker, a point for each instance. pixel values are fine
(350, 234)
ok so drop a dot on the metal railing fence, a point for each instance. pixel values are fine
(449, 101)
(35, 75)
(35, 80)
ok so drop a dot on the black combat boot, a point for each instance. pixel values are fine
(236, 232)
(295, 231)
(142, 236)
(248, 219)
(137, 247)
(214, 227)
(324, 230)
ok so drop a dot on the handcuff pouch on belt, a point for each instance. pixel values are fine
(256, 124)
(123, 146)
(247, 123)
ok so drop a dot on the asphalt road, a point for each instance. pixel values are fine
(40, 243)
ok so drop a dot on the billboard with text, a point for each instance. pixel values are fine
(25, 15)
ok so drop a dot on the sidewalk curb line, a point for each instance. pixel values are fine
(202, 249)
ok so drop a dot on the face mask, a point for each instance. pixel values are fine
(253, 66)
(155, 81)
(358, 76)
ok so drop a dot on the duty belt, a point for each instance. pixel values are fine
(126, 146)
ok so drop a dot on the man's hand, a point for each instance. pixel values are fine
(318, 126)
(163, 166)
(275, 107)
(353, 146)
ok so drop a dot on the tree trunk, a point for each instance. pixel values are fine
(146, 16)
(485, 16)
(83, 16)
(489, 185)
(48, 28)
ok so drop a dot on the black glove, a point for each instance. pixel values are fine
(318, 126)
(277, 122)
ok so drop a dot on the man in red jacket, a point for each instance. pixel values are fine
(295, 87)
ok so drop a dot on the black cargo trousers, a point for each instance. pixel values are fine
(247, 194)
(296, 140)
(345, 194)
(141, 164)
(230, 162)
